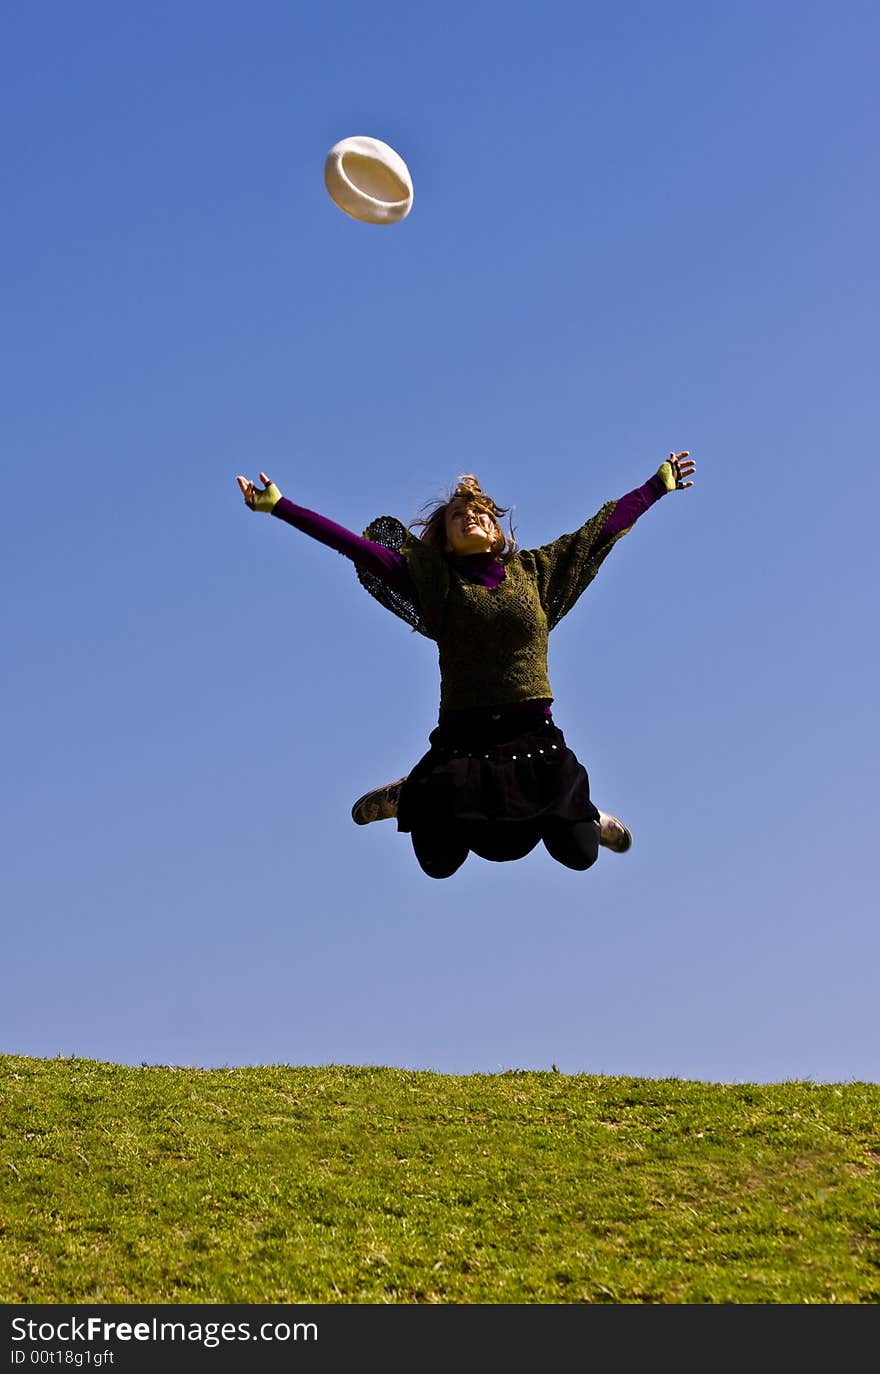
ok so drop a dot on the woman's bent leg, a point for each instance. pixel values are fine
(573, 843)
(440, 852)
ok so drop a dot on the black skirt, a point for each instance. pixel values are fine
(508, 765)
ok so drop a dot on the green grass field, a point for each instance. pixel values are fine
(377, 1185)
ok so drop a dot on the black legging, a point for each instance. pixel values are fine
(441, 852)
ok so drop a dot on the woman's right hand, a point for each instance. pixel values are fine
(264, 500)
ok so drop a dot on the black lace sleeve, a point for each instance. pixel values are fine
(388, 531)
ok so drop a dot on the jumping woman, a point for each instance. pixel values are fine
(498, 777)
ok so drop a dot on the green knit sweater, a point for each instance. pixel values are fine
(492, 642)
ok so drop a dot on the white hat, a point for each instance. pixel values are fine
(368, 180)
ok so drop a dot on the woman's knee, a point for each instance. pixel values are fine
(443, 867)
(439, 856)
(574, 845)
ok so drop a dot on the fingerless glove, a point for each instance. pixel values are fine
(265, 500)
(669, 474)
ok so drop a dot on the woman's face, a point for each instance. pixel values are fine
(469, 530)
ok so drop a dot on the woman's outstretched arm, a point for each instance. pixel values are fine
(383, 563)
(672, 475)
(567, 566)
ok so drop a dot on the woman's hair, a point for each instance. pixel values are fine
(467, 488)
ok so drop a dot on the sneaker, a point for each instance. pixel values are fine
(378, 805)
(613, 834)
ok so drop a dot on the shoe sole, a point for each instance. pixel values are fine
(620, 846)
(381, 810)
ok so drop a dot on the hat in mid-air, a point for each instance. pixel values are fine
(368, 180)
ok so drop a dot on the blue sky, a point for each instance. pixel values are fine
(637, 227)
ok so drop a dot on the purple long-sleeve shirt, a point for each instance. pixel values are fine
(483, 568)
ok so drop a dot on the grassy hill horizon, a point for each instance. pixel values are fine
(346, 1184)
